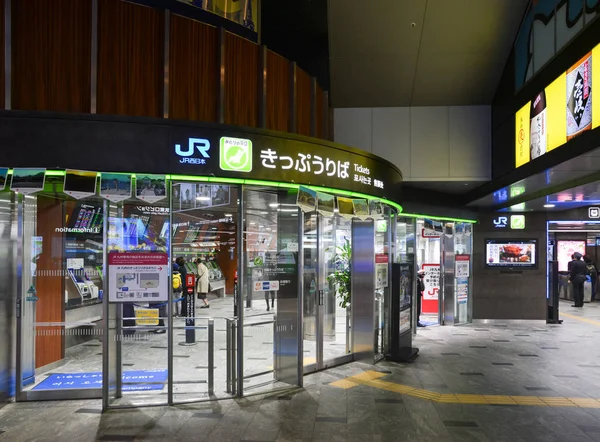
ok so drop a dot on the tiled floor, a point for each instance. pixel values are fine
(537, 364)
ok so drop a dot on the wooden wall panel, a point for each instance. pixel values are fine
(278, 92)
(130, 59)
(320, 114)
(303, 102)
(193, 74)
(49, 342)
(241, 81)
(51, 53)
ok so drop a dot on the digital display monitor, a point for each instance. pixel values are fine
(521, 253)
(564, 250)
(87, 217)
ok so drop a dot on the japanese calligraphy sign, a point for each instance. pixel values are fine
(259, 156)
(138, 277)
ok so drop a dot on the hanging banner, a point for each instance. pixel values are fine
(27, 181)
(361, 208)
(307, 199)
(579, 97)
(325, 204)
(3, 176)
(138, 277)
(115, 187)
(381, 270)
(79, 184)
(150, 188)
(375, 209)
(345, 207)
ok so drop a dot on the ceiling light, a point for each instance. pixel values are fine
(549, 206)
(203, 198)
(228, 215)
(264, 213)
(274, 205)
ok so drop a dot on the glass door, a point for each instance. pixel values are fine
(326, 255)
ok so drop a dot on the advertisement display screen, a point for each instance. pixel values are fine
(510, 253)
(559, 112)
(564, 250)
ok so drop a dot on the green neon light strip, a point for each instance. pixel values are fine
(439, 218)
(289, 186)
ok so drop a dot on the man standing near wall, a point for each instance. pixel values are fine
(577, 272)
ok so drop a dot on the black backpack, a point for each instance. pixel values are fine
(591, 270)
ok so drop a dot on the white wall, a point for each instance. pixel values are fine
(426, 143)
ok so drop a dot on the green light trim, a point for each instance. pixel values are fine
(187, 178)
(439, 218)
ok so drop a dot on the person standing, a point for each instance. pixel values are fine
(577, 273)
(203, 283)
(592, 270)
(180, 261)
(420, 290)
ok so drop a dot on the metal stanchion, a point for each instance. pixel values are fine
(228, 346)
(234, 388)
(211, 355)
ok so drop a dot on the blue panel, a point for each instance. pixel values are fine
(141, 380)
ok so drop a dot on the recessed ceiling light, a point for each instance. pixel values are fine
(228, 214)
(549, 206)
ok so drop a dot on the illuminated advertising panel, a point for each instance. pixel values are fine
(559, 112)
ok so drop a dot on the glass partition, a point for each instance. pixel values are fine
(463, 248)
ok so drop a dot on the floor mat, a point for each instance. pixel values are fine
(140, 380)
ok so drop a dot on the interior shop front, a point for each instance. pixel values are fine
(251, 260)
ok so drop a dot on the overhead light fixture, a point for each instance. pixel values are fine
(274, 205)
(228, 215)
(549, 206)
(203, 198)
(264, 213)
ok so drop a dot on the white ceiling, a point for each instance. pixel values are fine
(454, 54)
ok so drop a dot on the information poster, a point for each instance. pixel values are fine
(462, 290)
(381, 271)
(150, 188)
(138, 277)
(432, 288)
(80, 184)
(564, 251)
(462, 266)
(115, 187)
(404, 320)
(307, 199)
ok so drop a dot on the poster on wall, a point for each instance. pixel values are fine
(150, 188)
(462, 290)
(462, 266)
(306, 199)
(432, 283)
(115, 187)
(138, 277)
(3, 176)
(27, 181)
(579, 97)
(404, 320)
(381, 271)
(564, 251)
(80, 184)
(375, 209)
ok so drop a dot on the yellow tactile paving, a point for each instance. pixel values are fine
(579, 318)
(373, 379)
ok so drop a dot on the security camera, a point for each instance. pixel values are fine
(413, 24)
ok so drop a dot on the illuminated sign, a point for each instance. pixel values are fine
(194, 144)
(236, 154)
(501, 222)
(517, 222)
(559, 112)
(594, 212)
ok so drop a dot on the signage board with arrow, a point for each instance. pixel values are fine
(139, 277)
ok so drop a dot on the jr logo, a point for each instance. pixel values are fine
(202, 145)
(501, 222)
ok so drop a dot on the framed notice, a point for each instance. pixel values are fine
(139, 277)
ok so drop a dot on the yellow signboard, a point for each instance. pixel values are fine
(561, 111)
(146, 316)
(522, 135)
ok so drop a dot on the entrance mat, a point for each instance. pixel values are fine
(429, 323)
(140, 380)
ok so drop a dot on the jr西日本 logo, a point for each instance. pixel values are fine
(195, 153)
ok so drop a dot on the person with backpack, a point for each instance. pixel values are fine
(177, 284)
(592, 271)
